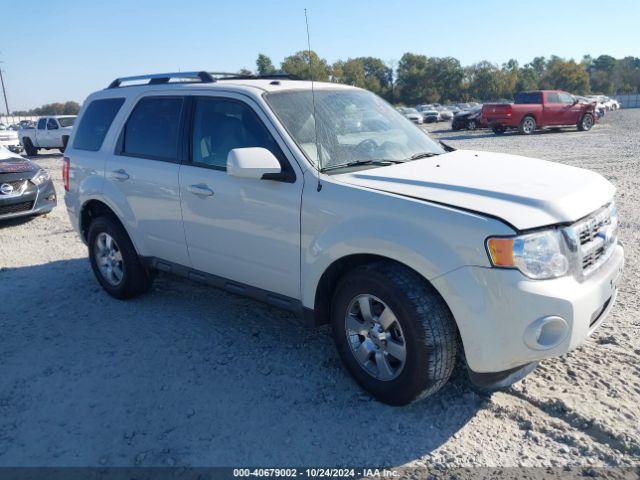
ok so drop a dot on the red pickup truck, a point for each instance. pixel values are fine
(539, 109)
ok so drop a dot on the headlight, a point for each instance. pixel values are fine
(41, 177)
(538, 255)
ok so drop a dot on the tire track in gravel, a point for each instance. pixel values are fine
(559, 410)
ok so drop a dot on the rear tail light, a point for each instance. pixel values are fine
(508, 110)
(65, 172)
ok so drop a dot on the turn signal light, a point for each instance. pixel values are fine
(501, 251)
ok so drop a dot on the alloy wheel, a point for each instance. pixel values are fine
(109, 259)
(375, 337)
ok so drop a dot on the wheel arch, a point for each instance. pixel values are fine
(94, 208)
(336, 270)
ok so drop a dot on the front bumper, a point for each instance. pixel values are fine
(38, 201)
(499, 311)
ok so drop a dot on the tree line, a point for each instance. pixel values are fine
(66, 108)
(420, 79)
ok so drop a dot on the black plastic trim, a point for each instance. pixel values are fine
(498, 380)
(274, 299)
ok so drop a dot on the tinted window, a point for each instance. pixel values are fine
(221, 125)
(95, 123)
(42, 123)
(553, 97)
(152, 128)
(566, 98)
(528, 97)
(52, 124)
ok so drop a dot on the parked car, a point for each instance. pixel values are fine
(423, 108)
(25, 188)
(599, 108)
(412, 114)
(431, 116)
(9, 139)
(49, 132)
(453, 109)
(467, 119)
(538, 109)
(409, 250)
(445, 115)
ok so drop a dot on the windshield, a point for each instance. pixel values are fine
(66, 121)
(353, 126)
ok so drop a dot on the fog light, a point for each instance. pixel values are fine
(51, 198)
(546, 333)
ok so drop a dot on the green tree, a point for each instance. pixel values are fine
(484, 81)
(264, 65)
(565, 75)
(411, 80)
(299, 65)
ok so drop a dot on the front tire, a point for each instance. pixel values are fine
(586, 122)
(527, 125)
(472, 125)
(115, 261)
(394, 333)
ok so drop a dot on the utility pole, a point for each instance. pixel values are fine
(4, 92)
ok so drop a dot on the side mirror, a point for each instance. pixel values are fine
(252, 162)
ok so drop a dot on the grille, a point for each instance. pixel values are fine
(596, 236)
(17, 185)
(16, 208)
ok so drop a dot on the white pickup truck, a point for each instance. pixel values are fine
(50, 132)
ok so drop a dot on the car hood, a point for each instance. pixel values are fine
(11, 163)
(523, 192)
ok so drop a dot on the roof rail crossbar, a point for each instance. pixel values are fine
(157, 78)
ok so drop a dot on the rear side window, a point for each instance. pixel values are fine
(528, 97)
(95, 123)
(42, 123)
(52, 124)
(152, 130)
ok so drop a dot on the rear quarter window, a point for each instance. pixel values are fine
(528, 98)
(95, 123)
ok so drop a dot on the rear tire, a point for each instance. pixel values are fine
(527, 125)
(114, 260)
(29, 149)
(416, 319)
(472, 125)
(586, 122)
(499, 129)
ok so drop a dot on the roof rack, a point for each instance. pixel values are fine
(201, 76)
(158, 78)
(268, 76)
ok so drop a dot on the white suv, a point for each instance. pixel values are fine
(329, 203)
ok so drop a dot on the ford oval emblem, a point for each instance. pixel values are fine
(6, 189)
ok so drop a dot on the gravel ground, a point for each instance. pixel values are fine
(189, 375)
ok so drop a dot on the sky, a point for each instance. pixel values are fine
(58, 50)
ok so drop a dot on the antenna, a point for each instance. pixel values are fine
(313, 101)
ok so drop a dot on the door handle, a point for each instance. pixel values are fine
(201, 190)
(120, 174)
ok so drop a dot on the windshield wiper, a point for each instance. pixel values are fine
(421, 155)
(361, 162)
